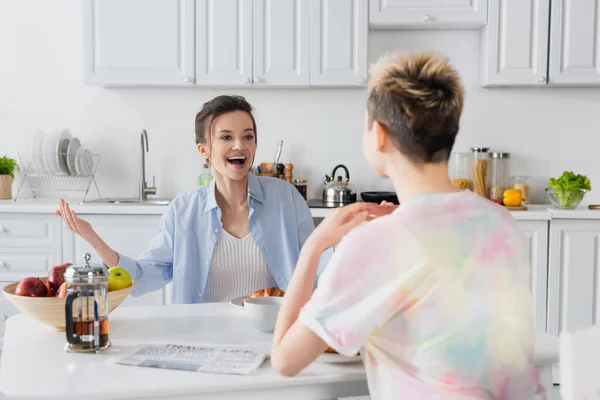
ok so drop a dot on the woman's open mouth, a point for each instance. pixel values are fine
(237, 161)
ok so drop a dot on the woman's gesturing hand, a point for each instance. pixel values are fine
(73, 222)
(342, 220)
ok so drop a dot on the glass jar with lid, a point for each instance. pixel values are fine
(499, 175)
(301, 185)
(521, 182)
(459, 169)
(479, 168)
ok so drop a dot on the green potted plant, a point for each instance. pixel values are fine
(567, 191)
(8, 166)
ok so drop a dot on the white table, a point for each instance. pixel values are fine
(35, 365)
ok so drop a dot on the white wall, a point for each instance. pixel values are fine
(547, 130)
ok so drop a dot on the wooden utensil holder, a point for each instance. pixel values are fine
(5, 187)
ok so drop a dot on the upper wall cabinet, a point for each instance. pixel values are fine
(427, 14)
(339, 30)
(233, 43)
(139, 42)
(515, 43)
(281, 42)
(575, 42)
(223, 42)
(541, 42)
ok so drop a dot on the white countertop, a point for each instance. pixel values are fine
(35, 365)
(48, 206)
(535, 212)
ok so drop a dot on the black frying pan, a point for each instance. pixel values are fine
(378, 197)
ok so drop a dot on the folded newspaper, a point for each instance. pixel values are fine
(220, 360)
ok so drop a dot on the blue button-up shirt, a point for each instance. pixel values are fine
(182, 248)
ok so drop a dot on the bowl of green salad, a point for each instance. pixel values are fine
(568, 190)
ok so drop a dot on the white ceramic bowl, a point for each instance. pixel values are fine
(263, 312)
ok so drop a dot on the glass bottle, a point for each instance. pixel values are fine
(498, 175)
(205, 176)
(480, 169)
(521, 182)
(301, 185)
(459, 169)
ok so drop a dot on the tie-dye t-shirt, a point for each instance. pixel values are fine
(437, 298)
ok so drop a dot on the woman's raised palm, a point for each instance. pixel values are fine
(73, 222)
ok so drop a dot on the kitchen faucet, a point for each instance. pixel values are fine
(145, 190)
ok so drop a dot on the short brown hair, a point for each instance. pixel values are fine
(419, 99)
(218, 106)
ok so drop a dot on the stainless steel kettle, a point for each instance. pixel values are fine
(338, 190)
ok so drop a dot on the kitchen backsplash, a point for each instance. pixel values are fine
(547, 130)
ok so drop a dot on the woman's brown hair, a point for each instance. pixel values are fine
(218, 106)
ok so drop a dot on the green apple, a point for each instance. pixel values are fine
(118, 278)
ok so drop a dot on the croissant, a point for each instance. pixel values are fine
(272, 291)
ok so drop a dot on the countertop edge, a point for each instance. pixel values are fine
(541, 212)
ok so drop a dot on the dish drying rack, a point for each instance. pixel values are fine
(39, 177)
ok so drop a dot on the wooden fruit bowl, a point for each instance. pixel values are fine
(51, 310)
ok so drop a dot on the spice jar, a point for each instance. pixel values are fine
(301, 185)
(480, 169)
(459, 169)
(522, 183)
(498, 175)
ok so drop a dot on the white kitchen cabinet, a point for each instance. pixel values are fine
(541, 43)
(537, 241)
(129, 235)
(281, 43)
(575, 42)
(573, 292)
(338, 42)
(514, 44)
(223, 42)
(427, 14)
(139, 42)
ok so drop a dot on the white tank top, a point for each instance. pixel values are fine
(237, 269)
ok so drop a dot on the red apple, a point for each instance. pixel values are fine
(50, 290)
(32, 287)
(56, 275)
(62, 291)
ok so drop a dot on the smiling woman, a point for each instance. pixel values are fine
(239, 234)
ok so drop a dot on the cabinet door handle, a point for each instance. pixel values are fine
(427, 17)
(361, 80)
(187, 79)
(246, 80)
(3, 317)
(2, 230)
(542, 79)
(3, 264)
(257, 80)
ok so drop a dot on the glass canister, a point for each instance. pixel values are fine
(498, 175)
(301, 185)
(479, 169)
(459, 169)
(86, 307)
(521, 182)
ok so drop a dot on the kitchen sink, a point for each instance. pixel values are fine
(131, 201)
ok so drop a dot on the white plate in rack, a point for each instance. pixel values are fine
(84, 161)
(62, 144)
(49, 153)
(74, 145)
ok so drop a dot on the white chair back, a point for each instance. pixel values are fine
(580, 364)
